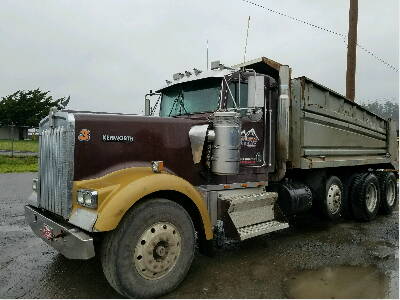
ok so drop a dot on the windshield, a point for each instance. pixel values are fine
(191, 97)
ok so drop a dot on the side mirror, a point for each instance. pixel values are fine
(148, 111)
(256, 91)
(255, 97)
(146, 106)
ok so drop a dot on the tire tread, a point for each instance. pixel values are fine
(358, 197)
(383, 177)
(110, 256)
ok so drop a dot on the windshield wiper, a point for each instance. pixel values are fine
(178, 101)
(193, 113)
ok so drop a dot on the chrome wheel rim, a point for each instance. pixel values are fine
(391, 193)
(371, 197)
(334, 198)
(157, 250)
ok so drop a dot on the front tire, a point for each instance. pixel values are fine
(151, 250)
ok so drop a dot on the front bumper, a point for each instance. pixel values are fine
(65, 238)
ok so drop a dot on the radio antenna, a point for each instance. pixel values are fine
(247, 35)
(207, 56)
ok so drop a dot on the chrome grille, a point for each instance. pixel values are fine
(56, 163)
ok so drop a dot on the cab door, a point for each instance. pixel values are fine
(257, 103)
(258, 125)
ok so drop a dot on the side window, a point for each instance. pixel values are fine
(240, 101)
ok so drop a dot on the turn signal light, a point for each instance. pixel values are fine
(35, 184)
(157, 166)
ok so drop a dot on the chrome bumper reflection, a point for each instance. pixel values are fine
(65, 238)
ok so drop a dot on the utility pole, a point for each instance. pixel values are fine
(352, 51)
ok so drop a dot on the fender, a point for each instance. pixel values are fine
(119, 190)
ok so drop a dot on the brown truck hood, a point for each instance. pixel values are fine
(109, 142)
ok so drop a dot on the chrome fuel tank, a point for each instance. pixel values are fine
(226, 149)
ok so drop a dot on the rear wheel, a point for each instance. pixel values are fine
(151, 251)
(388, 190)
(332, 201)
(348, 184)
(365, 197)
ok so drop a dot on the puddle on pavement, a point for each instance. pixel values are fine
(338, 282)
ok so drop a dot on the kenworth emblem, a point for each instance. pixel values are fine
(84, 135)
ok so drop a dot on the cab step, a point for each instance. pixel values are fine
(250, 212)
(261, 228)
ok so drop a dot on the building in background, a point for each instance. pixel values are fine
(16, 133)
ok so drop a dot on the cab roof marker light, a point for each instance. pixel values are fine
(197, 71)
(178, 76)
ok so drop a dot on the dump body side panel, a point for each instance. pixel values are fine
(327, 130)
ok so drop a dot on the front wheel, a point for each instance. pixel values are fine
(151, 251)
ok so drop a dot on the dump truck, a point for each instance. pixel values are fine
(221, 155)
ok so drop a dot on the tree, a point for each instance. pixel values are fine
(27, 108)
(387, 109)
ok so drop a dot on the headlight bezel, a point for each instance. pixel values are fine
(84, 195)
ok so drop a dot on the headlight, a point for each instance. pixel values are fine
(35, 184)
(87, 198)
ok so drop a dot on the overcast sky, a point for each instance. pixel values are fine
(108, 54)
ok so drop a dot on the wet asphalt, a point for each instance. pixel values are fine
(277, 265)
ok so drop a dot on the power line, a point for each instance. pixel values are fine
(341, 35)
(377, 58)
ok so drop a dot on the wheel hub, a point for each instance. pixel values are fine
(157, 250)
(371, 197)
(160, 251)
(334, 198)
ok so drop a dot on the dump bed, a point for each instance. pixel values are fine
(328, 130)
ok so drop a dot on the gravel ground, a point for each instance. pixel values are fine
(345, 256)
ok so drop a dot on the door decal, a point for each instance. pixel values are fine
(249, 138)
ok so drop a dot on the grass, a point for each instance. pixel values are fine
(23, 146)
(10, 164)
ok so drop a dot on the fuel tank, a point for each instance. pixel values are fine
(226, 148)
